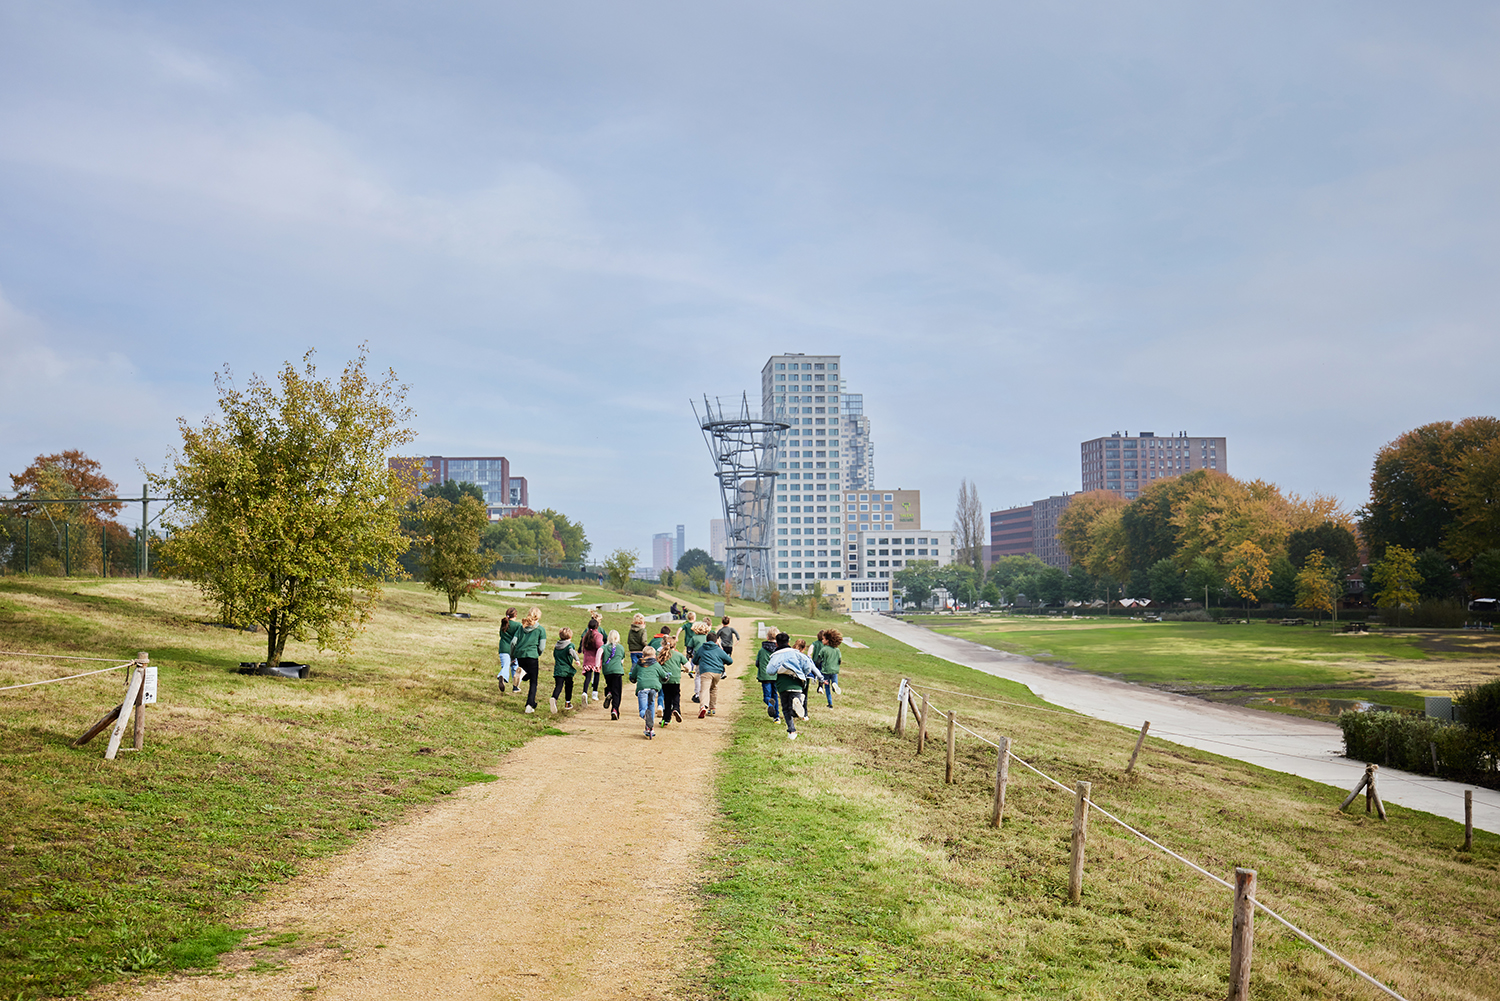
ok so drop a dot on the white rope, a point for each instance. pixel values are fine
(70, 677)
(1181, 858)
(1019, 705)
(52, 656)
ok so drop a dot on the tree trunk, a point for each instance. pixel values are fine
(452, 604)
(273, 634)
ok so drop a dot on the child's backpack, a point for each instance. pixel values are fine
(591, 640)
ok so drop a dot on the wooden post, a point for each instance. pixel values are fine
(1364, 781)
(1432, 746)
(1372, 798)
(952, 744)
(98, 727)
(1468, 820)
(132, 692)
(140, 712)
(1242, 938)
(1002, 776)
(922, 726)
(1080, 837)
(1138, 742)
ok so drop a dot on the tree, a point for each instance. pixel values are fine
(1283, 581)
(1439, 578)
(1486, 577)
(773, 598)
(814, 599)
(1080, 586)
(668, 578)
(1396, 578)
(288, 514)
(1075, 525)
(698, 578)
(619, 566)
(1476, 504)
(958, 580)
(1166, 582)
(450, 551)
(969, 529)
(1050, 585)
(1320, 584)
(569, 535)
(1249, 571)
(64, 476)
(451, 491)
(915, 582)
(1417, 483)
(1336, 542)
(529, 539)
(696, 557)
(1203, 577)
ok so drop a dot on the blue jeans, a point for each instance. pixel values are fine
(768, 696)
(648, 697)
(829, 681)
(505, 667)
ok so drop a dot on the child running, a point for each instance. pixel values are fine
(590, 646)
(564, 666)
(526, 649)
(671, 682)
(767, 677)
(647, 678)
(613, 667)
(710, 659)
(509, 626)
(794, 671)
(828, 660)
(696, 639)
(636, 639)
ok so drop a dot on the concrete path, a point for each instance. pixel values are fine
(1290, 744)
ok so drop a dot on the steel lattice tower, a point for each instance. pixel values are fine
(744, 451)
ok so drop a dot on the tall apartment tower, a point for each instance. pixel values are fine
(718, 538)
(805, 391)
(662, 557)
(681, 545)
(1126, 464)
(859, 451)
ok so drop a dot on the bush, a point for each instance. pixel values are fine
(1444, 613)
(1197, 615)
(1479, 708)
(1403, 741)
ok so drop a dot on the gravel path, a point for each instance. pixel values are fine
(1304, 747)
(572, 877)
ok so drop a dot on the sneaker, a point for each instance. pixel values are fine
(664, 724)
(554, 704)
(792, 735)
(530, 709)
(516, 689)
(614, 714)
(567, 705)
(677, 715)
(836, 689)
(696, 699)
(771, 712)
(710, 712)
(702, 713)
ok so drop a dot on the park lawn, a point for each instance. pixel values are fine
(847, 868)
(1187, 656)
(143, 864)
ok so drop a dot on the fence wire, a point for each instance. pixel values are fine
(908, 688)
(85, 674)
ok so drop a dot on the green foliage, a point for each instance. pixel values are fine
(1486, 576)
(668, 578)
(1439, 578)
(698, 578)
(287, 513)
(450, 554)
(527, 539)
(1338, 545)
(619, 567)
(1396, 578)
(696, 557)
(1479, 706)
(1438, 613)
(773, 598)
(1203, 575)
(569, 535)
(1404, 741)
(1283, 587)
(916, 581)
(1168, 584)
(452, 491)
(1436, 487)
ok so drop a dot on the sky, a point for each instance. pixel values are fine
(1022, 225)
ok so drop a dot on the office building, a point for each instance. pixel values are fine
(681, 545)
(1044, 516)
(1030, 530)
(504, 494)
(1010, 532)
(877, 555)
(804, 391)
(1126, 464)
(718, 538)
(662, 555)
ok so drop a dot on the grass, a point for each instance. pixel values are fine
(143, 864)
(1241, 662)
(850, 870)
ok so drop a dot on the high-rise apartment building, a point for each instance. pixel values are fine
(503, 493)
(1126, 464)
(1030, 530)
(859, 450)
(804, 391)
(1010, 532)
(681, 545)
(662, 555)
(718, 538)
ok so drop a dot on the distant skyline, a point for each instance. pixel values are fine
(1020, 226)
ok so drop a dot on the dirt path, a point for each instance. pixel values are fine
(573, 876)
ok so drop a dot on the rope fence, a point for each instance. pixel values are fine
(1243, 886)
(85, 674)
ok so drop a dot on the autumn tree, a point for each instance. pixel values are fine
(1475, 498)
(619, 566)
(569, 534)
(288, 514)
(450, 554)
(1421, 493)
(1396, 578)
(1248, 571)
(1075, 525)
(969, 532)
(1320, 584)
(73, 477)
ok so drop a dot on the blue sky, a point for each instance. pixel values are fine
(1022, 225)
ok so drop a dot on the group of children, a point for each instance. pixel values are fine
(787, 672)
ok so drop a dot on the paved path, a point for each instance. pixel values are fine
(1290, 744)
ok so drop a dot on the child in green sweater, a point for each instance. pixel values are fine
(647, 678)
(612, 661)
(671, 682)
(564, 667)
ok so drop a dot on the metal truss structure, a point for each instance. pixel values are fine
(744, 451)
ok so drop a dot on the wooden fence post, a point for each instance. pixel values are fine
(132, 692)
(1369, 772)
(1080, 837)
(1372, 798)
(1242, 938)
(1468, 820)
(1002, 776)
(922, 726)
(1138, 742)
(952, 744)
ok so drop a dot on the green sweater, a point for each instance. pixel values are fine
(671, 668)
(529, 642)
(829, 659)
(646, 675)
(711, 659)
(508, 634)
(613, 658)
(693, 642)
(636, 640)
(564, 660)
(762, 658)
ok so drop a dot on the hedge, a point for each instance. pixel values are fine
(1404, 741)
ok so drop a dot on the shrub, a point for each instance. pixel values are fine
(1403, 741)
(1196, 615)
(1444, 613)
(1479, 708)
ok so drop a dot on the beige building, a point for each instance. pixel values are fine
(1126, 464)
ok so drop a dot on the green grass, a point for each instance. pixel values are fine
(850, 870)
(144, 863)
(1239, 661)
